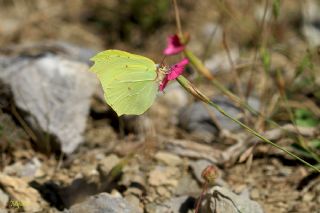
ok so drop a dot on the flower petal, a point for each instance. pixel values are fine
(174, 45)
(177, 69)
(164, 83)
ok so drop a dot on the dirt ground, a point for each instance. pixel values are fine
(143, 145)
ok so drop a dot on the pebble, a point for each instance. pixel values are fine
(163, 176)
(134, 201)
(163, 191)
(168, 158)
(307, 197)
(255, 194)
(187, 185)
(30, 169)
(107, 163)
(105, 203)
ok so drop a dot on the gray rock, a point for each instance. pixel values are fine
(103, 203)
(220, 199)
(30, 169)
(196, 117)
(134, 201)
(187, 186)
(107, 163)
(55, 94)
(182, 204)
(197, 168)
(65, 49)
(311, 22)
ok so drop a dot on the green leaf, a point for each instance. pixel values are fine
(315, 143)
(305, 118)
(276, 8)
(266, 60)
(305, 63)
(301, 151)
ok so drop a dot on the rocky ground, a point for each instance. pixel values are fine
(64, 150)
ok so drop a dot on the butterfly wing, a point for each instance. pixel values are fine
(128, 81)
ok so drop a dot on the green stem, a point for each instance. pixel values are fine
(199, 66)
(195, 92)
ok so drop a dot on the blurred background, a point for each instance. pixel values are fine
(60, 143)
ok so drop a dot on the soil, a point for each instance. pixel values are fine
(273, 179)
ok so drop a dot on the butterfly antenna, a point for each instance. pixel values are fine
(160, 65)
(162, 61)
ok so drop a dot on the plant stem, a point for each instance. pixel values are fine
(195, 92)
(204, 189)
(178, 22)
(199, 66)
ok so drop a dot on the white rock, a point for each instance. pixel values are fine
(55, 93)
(220, 199)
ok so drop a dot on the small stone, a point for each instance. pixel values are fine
(30, 169)
(135, 191)
(107, 163)
(307, 197)
(168, 158)
(163, 176)
(186, 185)
(133, 175)
(285, 171)
(134, 201)
(104, 202)
(163, 191)
(19, 190)
(255, 194)
(151, 208)
(174, 205)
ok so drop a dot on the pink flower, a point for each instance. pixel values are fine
(174, 72)
(177, 69)
(174, 45)
(163, 83)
